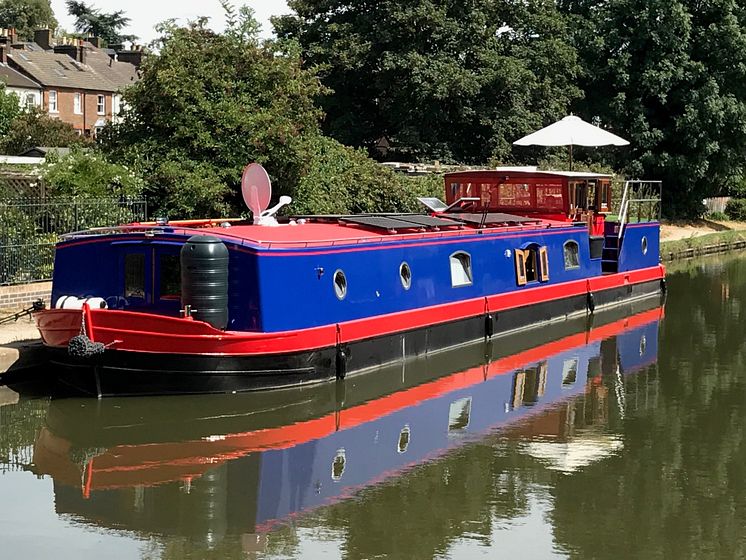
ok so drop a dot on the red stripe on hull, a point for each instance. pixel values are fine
(142, 332)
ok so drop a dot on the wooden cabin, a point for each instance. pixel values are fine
(572, 196)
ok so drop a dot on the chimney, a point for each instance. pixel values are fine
(133, 56)
(12, 35)
(43, 38)
(96, 42)
(75, 50)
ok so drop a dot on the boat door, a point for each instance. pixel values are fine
(136, 276)
(150, 277)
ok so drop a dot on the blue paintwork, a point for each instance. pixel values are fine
(631, 256)
(278, 289)
(300, 477)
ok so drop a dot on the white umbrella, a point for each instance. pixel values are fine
(571, 131)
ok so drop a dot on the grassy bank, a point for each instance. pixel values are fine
(702, 244)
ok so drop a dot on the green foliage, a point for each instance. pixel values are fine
(442, 79)
(9, 109)
(90, 20)
(668, 75)
(717, 216)
(89, 174)
(207, 105)
(36, 128)
(339, 179)
(736, 209)
(26, 16)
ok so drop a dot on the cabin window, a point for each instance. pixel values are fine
(531, 265)
(529, 386)
(403, 439)
(461, 274)
(572, 259)
(644, 245)
(459, 414)
(405, 275)
(569, 372)
(549, 198)
(170, 281)
(515, 195)
(134, 275)
(338, 464)
(340, 284)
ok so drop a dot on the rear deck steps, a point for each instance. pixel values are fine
(610, 255)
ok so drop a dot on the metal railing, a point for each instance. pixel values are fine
(30, 227)
(641, 201)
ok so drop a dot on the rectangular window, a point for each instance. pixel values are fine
(115, 105)
(101, 105)
(170, 281)
(77, 105)
(549, 198)
(53, 101)
(30, 100)
(134, 275)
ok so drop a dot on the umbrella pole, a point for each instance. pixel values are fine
(570, 157)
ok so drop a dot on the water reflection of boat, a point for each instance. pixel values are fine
(245, 461)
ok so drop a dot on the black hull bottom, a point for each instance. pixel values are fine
(124, 373)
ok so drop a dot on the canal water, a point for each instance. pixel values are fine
(617, 436)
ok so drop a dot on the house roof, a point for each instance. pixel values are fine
(13, 78)
(60, 70)
(122, 74)
(41, 151)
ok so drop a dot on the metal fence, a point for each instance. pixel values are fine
(29, 228)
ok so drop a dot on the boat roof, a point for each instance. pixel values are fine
(332, 230)
(529, 172)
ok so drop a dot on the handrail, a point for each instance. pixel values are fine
(627, 200)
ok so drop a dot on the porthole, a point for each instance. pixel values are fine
(644, 245)
(340, 284)
(403, 439)
(405, 275)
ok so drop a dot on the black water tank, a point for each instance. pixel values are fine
(204, 279)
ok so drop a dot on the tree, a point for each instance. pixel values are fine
(445, 79)
(9, 109)
(207, 105)
(669, 75)
(36, 128)
(99, 24)
(26, 16)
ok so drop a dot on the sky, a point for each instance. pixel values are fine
(145, 14)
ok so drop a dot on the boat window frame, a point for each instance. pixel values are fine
(406, 282)
(340, 290)
(126, 291)
(466, 268)
(565, 246)
(160, 257)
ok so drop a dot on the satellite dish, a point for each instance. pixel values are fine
(256, 188)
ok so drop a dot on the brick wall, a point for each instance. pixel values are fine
(89, 107)
(23, 295)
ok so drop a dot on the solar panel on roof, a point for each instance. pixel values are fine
(427, 221)
(380, 222)
(492, 218)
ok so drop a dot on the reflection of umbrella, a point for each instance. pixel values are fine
(571, 131)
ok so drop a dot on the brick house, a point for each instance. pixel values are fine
(81, 84)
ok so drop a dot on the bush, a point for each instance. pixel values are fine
(89, 174)
(718, 216)
(736, 209)
(343, 180)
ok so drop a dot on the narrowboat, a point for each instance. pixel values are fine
(214, 306)
(242, 463)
